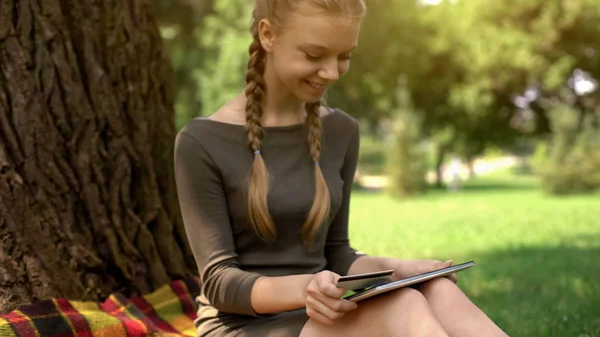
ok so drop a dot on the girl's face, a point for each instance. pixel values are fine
(311, 52)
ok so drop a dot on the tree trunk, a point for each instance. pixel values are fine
(439, 167)
(471, 165)
(87, 196)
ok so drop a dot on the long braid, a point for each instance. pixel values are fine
(277, 12)
(258, 211)
(320, 209)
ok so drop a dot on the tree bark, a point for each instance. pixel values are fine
(87, 196)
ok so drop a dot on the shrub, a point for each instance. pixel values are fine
(573, 156)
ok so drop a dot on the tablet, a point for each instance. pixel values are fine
(366, 280)
(384, 288)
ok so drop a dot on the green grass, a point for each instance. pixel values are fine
(538, 257)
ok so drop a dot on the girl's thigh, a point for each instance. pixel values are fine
(404, 312)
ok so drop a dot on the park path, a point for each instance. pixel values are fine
(481, 167)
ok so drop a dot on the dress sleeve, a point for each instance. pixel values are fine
(206, 218)
(338, 252)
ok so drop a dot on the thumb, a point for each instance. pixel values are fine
(327, 283)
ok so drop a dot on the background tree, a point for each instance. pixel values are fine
(407, 167)
(180, 23)
(87, 196)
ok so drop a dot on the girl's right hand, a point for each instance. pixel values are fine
(323, 302)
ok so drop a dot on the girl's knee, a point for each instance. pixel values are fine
(406, 297)
(438, 288)
(417, 318)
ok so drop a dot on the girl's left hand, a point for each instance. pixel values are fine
(407, 268)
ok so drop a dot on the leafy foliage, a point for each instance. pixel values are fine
(572, 164)
(478, 72)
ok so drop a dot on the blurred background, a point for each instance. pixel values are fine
(480, 127)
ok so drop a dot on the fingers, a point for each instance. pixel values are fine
(317, 316)
(329, 308)
(328, 295)
(425, 266)
(323, 302)
(452, 276)
(316, 294)
(336, 304)
(324, 283)
(437, 265)
(327, 287)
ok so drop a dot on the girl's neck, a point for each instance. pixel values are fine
(280, 106)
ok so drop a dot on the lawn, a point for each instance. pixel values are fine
(538, 257)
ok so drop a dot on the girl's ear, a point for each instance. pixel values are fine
(266, 35)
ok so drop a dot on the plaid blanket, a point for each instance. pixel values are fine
(169, 311)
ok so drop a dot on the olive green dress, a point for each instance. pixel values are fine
(212, 161)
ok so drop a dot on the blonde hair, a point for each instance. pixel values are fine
(276, 12)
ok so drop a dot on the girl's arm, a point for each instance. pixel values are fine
(276, 294)
(208, 228)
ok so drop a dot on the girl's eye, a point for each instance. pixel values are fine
(311, 57)
(316, 58)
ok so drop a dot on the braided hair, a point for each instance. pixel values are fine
(258, 212)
